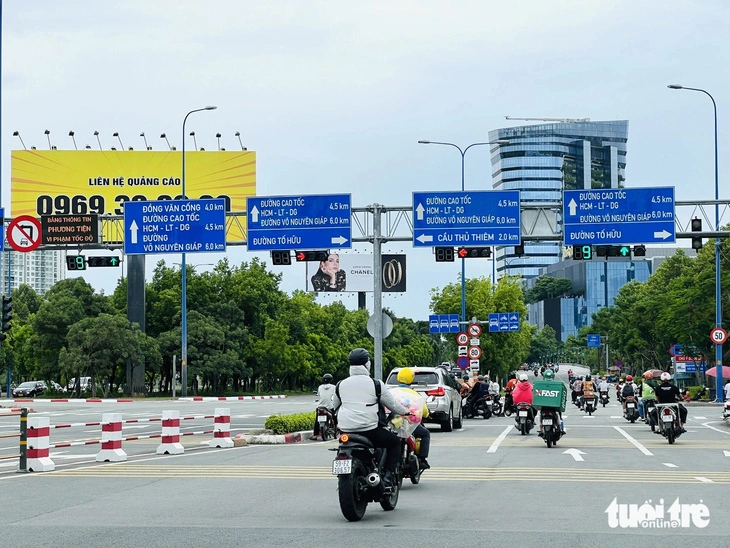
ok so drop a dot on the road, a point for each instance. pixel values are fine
(488, 485)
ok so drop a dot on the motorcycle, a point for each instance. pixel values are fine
(631, 412)
(327, 426)
(669, 425)
(359, 467)
(604, 398)
(496, 406)
(726, 410)
(589, 404)
(483, 407)
(551, 428)
(650, 414)
(524, 419)
(410, 462)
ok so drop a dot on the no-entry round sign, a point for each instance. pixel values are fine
(475, 330)
(718, 335)
(24, 233)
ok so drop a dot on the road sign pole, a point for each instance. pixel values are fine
(377, 293)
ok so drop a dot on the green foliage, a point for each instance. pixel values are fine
(547, 287)
(285, 424)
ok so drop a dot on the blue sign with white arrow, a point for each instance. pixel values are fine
(298, 222)
(504, 321)
(443, 323)
(174, 226)
(473, 218)
(618, 216)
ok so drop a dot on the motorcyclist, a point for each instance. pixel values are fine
(325, 392)
(405, 379)
(589, 391)
(648, 393)
(603, 386)
(666, 392)
(550, 376)
(629, 389)
(465, 385)
(577, 391)
(523, 392)
(478, 391)
(510, 386)
(356, 403)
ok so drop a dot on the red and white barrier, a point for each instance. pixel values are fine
(221, 428)
(39, 433)
(232, 398)
(170, 434)
(111, 439)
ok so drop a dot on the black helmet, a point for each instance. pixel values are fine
(588, 377)
(327, 377)
(359, 356)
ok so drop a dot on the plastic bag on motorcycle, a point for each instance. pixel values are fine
(414, 402)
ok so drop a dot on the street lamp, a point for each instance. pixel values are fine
(183, 272)
(718, 298)
(463, 153)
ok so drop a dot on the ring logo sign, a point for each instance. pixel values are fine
(392, 273)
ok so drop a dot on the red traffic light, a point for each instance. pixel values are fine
(301, 256)
(463, 252)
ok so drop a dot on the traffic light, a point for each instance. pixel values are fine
(613, 251)
(7, 313)
(280, 258)
(582, 252)
(696, 227)
(520, 250)
(639, 251)
(311, 255)
(624, 251)
(444, 254)
(467, 252)
(103, 261)
(75, 262)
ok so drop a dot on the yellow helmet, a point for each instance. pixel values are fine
(406, 375)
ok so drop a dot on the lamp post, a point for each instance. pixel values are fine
(718, 298)
(183, 271)
(463, 153)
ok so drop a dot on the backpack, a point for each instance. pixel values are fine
(627, 390)
(382, 417)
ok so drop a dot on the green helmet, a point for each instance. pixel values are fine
(549, 374)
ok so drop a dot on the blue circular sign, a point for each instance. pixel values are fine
(462, 362)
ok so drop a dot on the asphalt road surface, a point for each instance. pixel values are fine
(488, 486)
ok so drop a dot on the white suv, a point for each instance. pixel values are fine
(441, 392)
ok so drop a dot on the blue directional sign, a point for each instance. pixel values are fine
(594, 340)
(476, 218)
(504, 321)
(174, 226)
(443, 323)
(618, 216)
(299, 222)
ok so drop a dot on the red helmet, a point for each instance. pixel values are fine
(629, 378)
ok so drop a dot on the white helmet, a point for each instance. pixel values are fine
(523, 376)
(666, 377)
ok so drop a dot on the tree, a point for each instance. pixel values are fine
(547, 287)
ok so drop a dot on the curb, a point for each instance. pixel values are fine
(232, 398)
(273, 439)
(130, 400)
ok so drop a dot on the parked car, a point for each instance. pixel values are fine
(28, 389)
(441, 392)
(84, 382)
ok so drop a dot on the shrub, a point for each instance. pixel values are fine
(285, 424)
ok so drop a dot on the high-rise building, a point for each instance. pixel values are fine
(38, 269)
(542, 160)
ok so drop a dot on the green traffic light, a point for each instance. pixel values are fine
(625, 250)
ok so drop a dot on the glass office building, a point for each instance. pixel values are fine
(542, 160)
(38, 269)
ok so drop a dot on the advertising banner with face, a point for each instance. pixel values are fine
(354, 273)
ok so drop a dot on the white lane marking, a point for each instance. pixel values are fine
(633, 441)
(575, 453)
(589, 417)
(704, 480)
(495, 444)
(669, 465)
(726, 453)
(707, 425)
(616, 417)
(703, 418)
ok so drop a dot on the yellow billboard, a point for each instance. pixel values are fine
(77, 182)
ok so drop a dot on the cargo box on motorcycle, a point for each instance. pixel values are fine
(549, 394)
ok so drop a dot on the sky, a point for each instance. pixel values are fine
(333, 96)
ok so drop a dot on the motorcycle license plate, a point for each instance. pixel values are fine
(522, 414)
(321, 418)
(667, 418)
(630, 406)
(547, 422)
(341, 466)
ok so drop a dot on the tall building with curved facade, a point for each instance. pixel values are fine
(542, 160)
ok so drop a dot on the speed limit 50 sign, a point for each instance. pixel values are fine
(718, 335)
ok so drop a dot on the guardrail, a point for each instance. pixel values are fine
(35, 446)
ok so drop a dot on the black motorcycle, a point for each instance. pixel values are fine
(359, 467)
(410, 462)
(327, 426)
(524, 418)
(631, 412)
(604, 398)
(551, 430)
(589, 404)
(650, 414)
(483, 407)
(496, 406)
